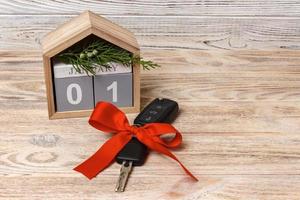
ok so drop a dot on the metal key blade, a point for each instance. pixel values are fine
(123, 177)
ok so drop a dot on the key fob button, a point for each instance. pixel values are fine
(153, 112)
(148, 118)
(159, 107)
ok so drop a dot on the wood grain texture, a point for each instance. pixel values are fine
(155, 7)
(26, 32)
(233, 66)
(213, 188)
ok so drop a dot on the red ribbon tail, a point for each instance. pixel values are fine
(168, 153)
(104, 156)
(161, 149)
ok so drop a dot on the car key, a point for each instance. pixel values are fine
(134, 153)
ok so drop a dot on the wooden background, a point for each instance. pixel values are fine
(233, 66)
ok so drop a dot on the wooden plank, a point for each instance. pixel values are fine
(162, 8)
(246, 63)
(285, 121)
(56, 150)
(203, 33)
(210, 187)
(275, 64)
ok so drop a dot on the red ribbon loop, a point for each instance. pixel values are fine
(108, 118)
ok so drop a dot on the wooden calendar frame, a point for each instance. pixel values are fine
(75, 30)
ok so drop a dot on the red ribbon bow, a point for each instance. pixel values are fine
(108, 118)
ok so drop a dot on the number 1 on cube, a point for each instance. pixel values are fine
(114, 88)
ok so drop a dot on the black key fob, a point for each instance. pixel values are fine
(160, 111)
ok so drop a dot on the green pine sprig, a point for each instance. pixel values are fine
(98, 55)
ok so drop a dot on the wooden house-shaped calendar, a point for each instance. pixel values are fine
(71, 94)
